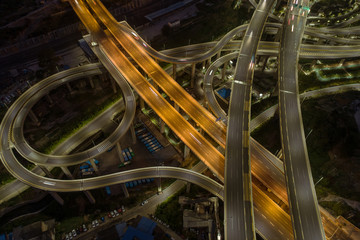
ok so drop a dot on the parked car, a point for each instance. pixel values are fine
(116, 213)
(84, 227)
(144, 202)
(96, 222)
(73, 233)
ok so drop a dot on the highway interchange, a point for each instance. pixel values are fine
(11, 127)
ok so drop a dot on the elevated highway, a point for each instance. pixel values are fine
(303, 203)
(183, 99)
(239, 213)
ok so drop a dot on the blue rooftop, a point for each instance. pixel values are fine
(146, 225)
(131, 233)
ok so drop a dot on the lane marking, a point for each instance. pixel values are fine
(240, 82)
(284, 91)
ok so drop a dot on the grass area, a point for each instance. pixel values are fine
(335, 76)
(170, 211)
(5, 176)
(71, 127)
(261, 106)
(24, 196)
(334, 137)
(23, 222)
(339, 208)
(268, 134)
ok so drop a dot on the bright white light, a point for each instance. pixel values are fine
(211, 72)
(218, 235)
(292, 28)
(49, 183)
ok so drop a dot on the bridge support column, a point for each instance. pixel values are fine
(208, 62)
(118, 148)
(57, 198)
(103, 77)
(174, 71)
(125, 190)
(223, 71)
(93, 164)
(186, 151)
(87, 193)
(280, 154)
(113, 85)
(55, 195)
(188, 186)
(201, 131)
(91, 81)
(162, 126)
(176, 107)
(133, 134)
(46, 171)
(51, 102)
(67, 172)
(266, 58)
(69, 88)
(90, 197)
(142, 103)
(34, 118)
(205, 104)
(192, 75)
(152, 82)
(218, 55)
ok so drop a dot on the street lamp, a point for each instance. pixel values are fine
(318, 181)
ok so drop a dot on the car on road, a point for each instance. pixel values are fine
(123, 208)
(144, 202)
(84, 227)
(116, 213)
(73, 233)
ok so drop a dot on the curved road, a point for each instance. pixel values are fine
(25, 102)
